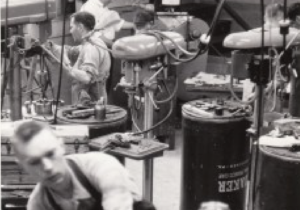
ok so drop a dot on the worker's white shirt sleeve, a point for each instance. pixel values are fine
(108, 176)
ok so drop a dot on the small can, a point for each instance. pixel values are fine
(28, 106)
(100, 112)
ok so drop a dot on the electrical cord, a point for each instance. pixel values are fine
(138, 105)
(159, 123)
(134, 122)
(169, 99)
(176, 45)
(167, 49)
(215, 18)
(155, 74)
(171, 95)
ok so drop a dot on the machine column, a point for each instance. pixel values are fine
(148, 163)
(14, 76)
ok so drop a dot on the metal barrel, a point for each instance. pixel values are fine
(215, 155)
(115, 121)
(278, 179)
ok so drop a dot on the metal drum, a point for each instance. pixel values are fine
(278, 179)
(115, 121)
(215, 155)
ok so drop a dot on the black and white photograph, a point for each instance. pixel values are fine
(150, 105)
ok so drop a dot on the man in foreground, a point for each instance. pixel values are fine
(89, 181)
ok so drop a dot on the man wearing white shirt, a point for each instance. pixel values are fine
(88, 181)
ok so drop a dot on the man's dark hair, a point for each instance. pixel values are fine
(143, 17)
(85, 18)
(27, 130)
(294, 11)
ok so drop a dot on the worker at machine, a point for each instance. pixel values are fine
(169, 21)
(294, 15)
(145, 20)
(89, 63)
(90, 181)
(108, 22)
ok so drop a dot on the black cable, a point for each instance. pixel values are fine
(284, 18)
(137, 103)
(61, 66)
(216, 17)
(163, 101)
(171, 95)
(259, 104)
(169, 51)
(166, 87)
(159, 123)
(5, 54)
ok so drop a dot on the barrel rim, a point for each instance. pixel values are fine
(245, 114)
(266, 150)
(190, 116)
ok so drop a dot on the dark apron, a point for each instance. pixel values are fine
(94, 203)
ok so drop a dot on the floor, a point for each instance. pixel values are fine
(167, 171)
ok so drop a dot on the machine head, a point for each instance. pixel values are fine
(27, 11)
(145, 46)
(253, 39)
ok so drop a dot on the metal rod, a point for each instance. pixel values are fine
(294, 107)
(15, 84)
(236, 16)
(148, 163)
(50, 54)
(4, 79)
(258, 119)
(259, 110)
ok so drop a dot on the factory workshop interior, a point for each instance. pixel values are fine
(150, 104)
